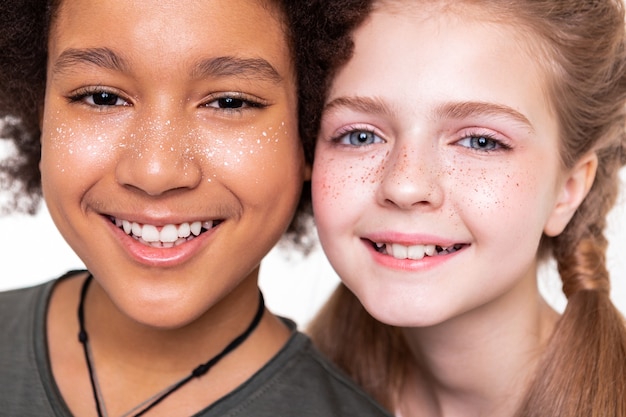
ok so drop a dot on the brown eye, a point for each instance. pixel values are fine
(230, 103)
(97, 97)
(105, 99)
(234, 101)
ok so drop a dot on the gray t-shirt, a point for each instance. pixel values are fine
(298, 381)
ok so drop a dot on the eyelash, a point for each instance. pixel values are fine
(80, 96)
(499, 144)
(240, 101)
(244, 101)
(349, 130)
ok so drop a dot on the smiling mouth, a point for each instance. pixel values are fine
(166, 236)
(415, 252)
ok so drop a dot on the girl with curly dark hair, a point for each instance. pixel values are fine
(164, 138)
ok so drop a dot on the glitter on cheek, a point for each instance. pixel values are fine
(73, 146)
(224, 152)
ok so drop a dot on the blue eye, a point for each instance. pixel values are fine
(481, 143)
(359, 138)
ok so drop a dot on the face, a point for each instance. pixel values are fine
(437, 168)
(171, 161)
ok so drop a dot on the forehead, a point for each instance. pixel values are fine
(173, 29)
(439, 60)
(507, 27)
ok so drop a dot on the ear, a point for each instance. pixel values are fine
(573, 191)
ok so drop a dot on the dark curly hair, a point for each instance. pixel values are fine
(22, 82)
(23, 42)
(322, 45)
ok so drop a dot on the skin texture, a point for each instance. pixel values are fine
(400, 160)
(165, 146)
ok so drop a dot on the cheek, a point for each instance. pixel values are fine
(72, 153)
(485, 190)
(261, 161)
(343, 188)
(507, 200)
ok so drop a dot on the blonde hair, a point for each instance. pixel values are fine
(582, 371)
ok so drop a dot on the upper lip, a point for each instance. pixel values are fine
(161, 222)
(411, 239)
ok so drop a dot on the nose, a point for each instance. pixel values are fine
(412, 177)
(158, 157)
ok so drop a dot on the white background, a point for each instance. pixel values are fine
(32, 251)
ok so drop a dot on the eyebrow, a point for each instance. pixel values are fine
(100, 57)
(361, 104)
(225, 66)
(461, 110)
(452, 110)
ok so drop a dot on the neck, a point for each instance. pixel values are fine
(134, 361)
(479, 363)
(171, 349)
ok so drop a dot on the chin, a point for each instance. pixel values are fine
(400, 312)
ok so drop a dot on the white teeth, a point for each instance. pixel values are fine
(128, 227)
(169, 236)
(148, 232)
(184, 230)
(414, 252)
(196, 228)
(399, 251)
(137, 229)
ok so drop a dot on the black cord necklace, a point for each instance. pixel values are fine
(146, 405)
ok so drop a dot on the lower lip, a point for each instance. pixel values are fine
(160, 257)
(427, 262)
